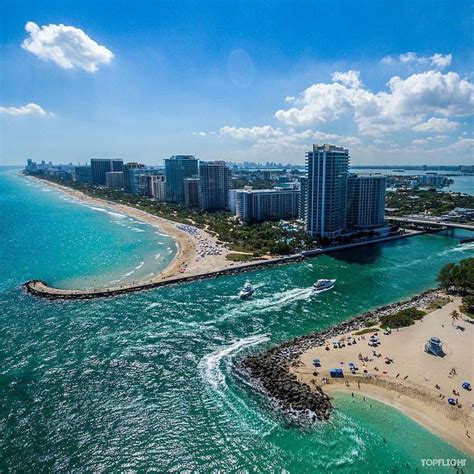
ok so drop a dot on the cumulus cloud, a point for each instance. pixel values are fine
(350, 78)
(67, 46)
(250, 133)
(407, 102)
(269, 138)
(28, 109)
(437, 60)
(436, 125)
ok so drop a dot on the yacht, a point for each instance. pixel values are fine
(321, 285)
(247, 290)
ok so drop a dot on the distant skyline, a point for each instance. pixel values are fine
(236, 80)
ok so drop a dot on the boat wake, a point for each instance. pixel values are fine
(211, 364)
(215, 368)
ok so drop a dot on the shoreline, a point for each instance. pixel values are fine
(199, 254)
(192, 243)
(285, 372)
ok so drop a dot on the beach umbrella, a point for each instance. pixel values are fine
(451, 401)
(466, 385)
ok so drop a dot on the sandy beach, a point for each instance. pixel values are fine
(198, 251)
(415, 382)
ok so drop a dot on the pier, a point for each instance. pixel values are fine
(432, 223)
(42, 289)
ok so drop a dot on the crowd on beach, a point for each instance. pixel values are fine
(205, 246)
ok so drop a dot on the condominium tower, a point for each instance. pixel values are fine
(328, 169)
(100, 166)
(177, 168)
(366, 202)
(215, 181)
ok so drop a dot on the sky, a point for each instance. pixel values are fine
(241, 81)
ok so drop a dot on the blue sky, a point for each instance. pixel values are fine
(236, 80)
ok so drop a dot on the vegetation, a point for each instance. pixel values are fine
(369, 324)
(454, 316)
(267, 238)
(458, 277)
(438, 303)
(366, 331)
(438, 203)
(467, 306)
(239, 257)
(405, 317)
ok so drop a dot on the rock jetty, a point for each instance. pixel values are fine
(269, 371)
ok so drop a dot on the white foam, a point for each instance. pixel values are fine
(140, 265)
(157, 256)
(210, 364)
(136, 229)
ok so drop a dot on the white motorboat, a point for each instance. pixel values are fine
(247, 290)
(323, 284)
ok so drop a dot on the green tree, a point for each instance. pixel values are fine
(454, 316)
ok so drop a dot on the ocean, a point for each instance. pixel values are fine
(146, 381)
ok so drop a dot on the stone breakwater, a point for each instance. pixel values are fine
(270, 372)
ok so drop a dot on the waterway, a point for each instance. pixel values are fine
(146, 381)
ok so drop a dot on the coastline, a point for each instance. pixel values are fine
(199, 256)
(189, 259)
(416, 397)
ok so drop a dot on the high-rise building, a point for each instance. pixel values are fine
(327, 167)
(258, 205)
(177, 168)
(366, 202)
(216, 180)
(157, 187)
(192, 191)
(126, 173)
(83, 174)
(139, 183)
(303, 205)
(101, 166)
(114, 179)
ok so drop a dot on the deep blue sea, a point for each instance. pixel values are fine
(146, 381)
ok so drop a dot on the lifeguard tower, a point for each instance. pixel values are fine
(434, 346)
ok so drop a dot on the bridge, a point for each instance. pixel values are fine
(432, 223)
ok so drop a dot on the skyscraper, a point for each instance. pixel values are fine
(100, 166)
(216, 180)
(114, 179)
(126, 174)
(303, 197)
(83, 174)
(177, 168)
(191, 191)
(157, 187)
(366, 202)
(328, 168)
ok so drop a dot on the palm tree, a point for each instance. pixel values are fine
(454, 316)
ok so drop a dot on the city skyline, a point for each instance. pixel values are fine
(236, 82)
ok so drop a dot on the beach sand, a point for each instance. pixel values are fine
(414, 390)
(190, 258)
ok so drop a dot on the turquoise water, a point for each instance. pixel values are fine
(461, 184)
(147, 382)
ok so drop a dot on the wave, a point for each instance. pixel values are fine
(136, 229)
(140, 265)
(211, 363)
(157, 256)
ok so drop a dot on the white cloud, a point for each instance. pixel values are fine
(252, 133)
(437, 60)
(67, 46)
(28, 109)
(350, 78)
(436, 125)
(406, 104)
(268, 138)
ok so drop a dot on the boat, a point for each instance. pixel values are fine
(247, 290)
(322, 285)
